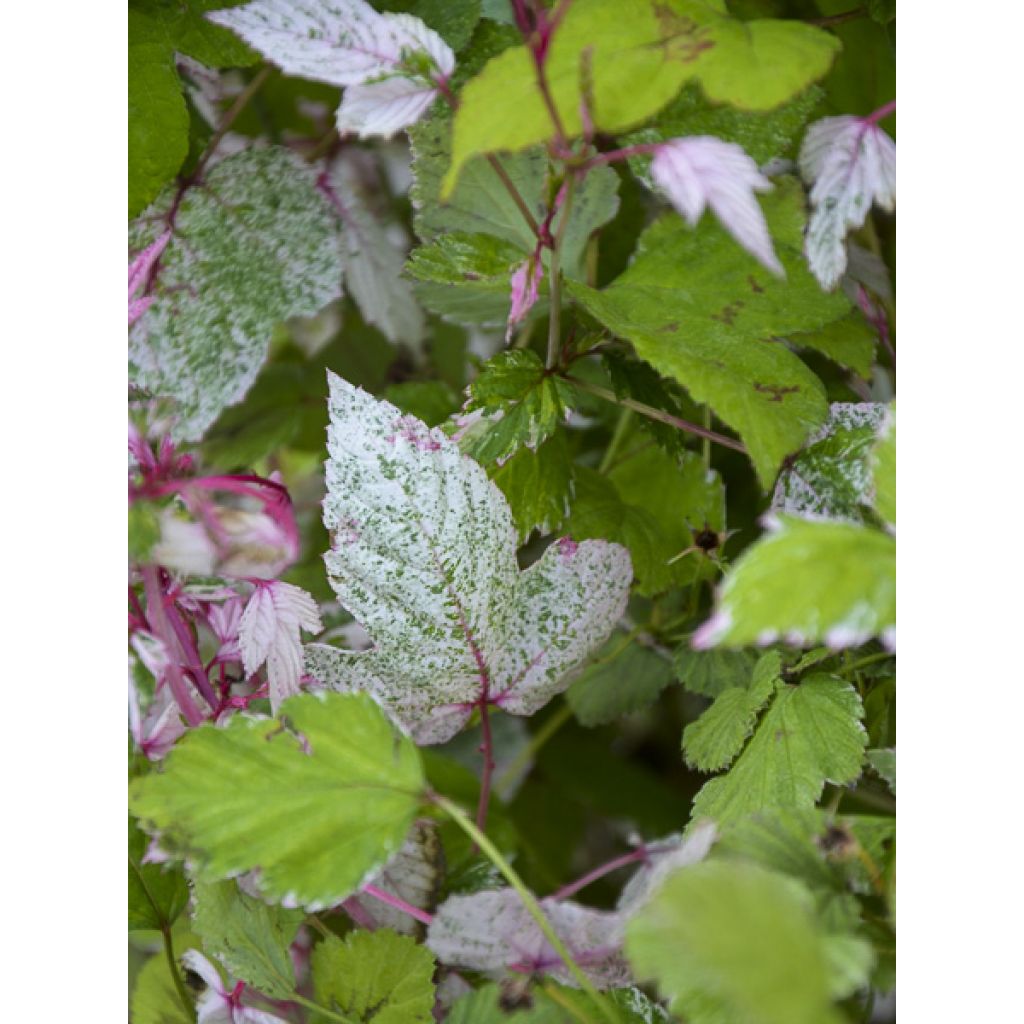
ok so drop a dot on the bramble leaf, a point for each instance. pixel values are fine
(253, 244)
(808, 582)
(314, 823)
(249, 937)
(830, 477)
(701, 310)
(884, 762)
(811, 734)
(493, 931)
(157, 893)
(378, 976)
(734, 942)
(538, 486)
(709, 673)
(423, 556)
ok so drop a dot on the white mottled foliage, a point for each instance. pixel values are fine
(424, 556)
(493, 931)
(850, 163)
(269, 632)
(388, 63)
(217, 1005)
(704, 171)
(373, 264)
(664, 857)
(255, 243)
(831, 476)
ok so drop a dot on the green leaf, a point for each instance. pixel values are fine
(711, 743)
(830, 478)
(249, 937)
(698, 308)
(155, 998)
(730, 942)
(551, 1004)
(883, 461)
(882, 11)
(850, 342)
(810, 735)
(531, 403)
(709, 673)
(808, 582)
(626, 676)
(157, 893)
(253, 244)
(884, 762)
(143, 530)
(481, 204)
(248, 795)
(432, 401)
(537, 486)
(378, 976)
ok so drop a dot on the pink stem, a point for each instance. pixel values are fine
(398, 904)
(355, 910)
(487, 749)
(162, 629)
(566, 891)
(642, 149)
(191, 653)
(881, 113)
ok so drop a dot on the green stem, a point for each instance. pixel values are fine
(546, 731)
(463, 820)
(621, 429)
(555, 314)
(865, 661)
(172, 966)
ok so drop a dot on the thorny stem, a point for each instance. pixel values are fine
(463, 820)
(639, 854)
(398, 903)
(161, 627)
(172, 966)
(657, 414)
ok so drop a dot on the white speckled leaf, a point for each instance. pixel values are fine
(253, 244)
(830, 478)
(850, 164)
(493, 931)
(423, 555)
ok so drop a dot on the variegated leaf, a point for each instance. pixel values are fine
(663, 858)
(254, 243)
(493, 931)
(423, 555)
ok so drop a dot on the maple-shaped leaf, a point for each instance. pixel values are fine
(424, 556)
(269, 632)
(389, 64)
(493, 931)
(850, 163)
(704, 171)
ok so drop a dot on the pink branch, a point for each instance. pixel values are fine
(640, 854)
(398, 904)
(881, 113)
(190, 652)
(487, 749)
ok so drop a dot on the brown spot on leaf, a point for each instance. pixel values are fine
(682, 38)
(753, 283)
(673, 326)
(728, 315)
(470, 276)
(776, 392)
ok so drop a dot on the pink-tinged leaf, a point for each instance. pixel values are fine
(221, 1003)
(703, 171)
(138, 272)
(664, 857)
(269, 633)
(424, 556)
(525, 283)
(376, 57)
(157, 728)
(850, 164)
(224, 621)
(493, 931)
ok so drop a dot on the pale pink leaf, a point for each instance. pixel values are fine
(424, 556)
(702, 171)
(850, 164)
(269, 633)
(525, 283)
(493, 931)
(138, 271)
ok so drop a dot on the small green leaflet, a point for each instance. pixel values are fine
(698, 308)
(155, 998)
(808, 582)
(731, 942)
(315, 824)
(626, 676)
(710, 672)
(378, 976)
(253, 244)
(831, 477)
(530, 405)
(811, 734)
(538, 486)
(157, 893)
(883, 464)
(711, 743)
(424, 557)
(884, 762)
(249, 937)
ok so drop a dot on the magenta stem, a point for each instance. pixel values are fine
(881, 113)
(487, 749)
(191, 653)
(572, 888)
(398, 904)
(162, 630)
(642, 149)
